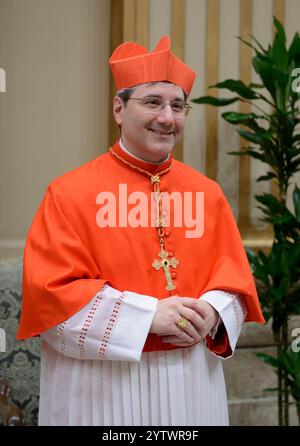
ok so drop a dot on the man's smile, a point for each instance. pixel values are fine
(162, 132)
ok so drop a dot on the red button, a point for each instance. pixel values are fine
(174, 275)
(171, 253)
(167, 233)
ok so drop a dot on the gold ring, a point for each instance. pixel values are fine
(182, 323)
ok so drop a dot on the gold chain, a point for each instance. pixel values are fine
(155, 180)
(165, 262)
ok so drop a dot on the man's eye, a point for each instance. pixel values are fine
(152, 102)
(177, 106)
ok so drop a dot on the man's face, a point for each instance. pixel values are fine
(146, 134)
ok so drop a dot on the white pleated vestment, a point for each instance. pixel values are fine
(181, 387)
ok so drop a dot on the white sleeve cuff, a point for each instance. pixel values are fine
(132, 329)
(114, 325)
(232, 312)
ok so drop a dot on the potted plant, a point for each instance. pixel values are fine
(272, 135)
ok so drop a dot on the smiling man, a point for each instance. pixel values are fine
(151, 119)
(135, 319)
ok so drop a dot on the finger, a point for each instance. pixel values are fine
(177, 341)
(201, 307)
(191, 331)
(204, 320)
(196, 321)
(189, 302)
(183, 335)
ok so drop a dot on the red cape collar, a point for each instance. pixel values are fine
(149, 167)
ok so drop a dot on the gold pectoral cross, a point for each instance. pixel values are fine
(165, 263)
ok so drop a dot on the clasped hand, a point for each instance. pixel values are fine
(201, 315)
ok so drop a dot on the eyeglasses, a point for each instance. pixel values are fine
(155, 104)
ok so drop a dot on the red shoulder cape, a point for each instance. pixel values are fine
(68, 258)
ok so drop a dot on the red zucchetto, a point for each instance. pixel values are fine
(132, 64)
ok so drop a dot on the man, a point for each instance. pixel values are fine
(134, 308)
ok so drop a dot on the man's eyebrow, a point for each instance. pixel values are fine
(160, 97)
(153, 96)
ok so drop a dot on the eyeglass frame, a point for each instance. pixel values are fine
(187, 107)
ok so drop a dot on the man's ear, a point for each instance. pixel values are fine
(118, 107)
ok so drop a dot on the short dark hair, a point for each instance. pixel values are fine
(125, 94)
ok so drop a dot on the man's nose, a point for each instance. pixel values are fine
(166, 115)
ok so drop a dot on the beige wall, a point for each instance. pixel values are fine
(53, 115)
